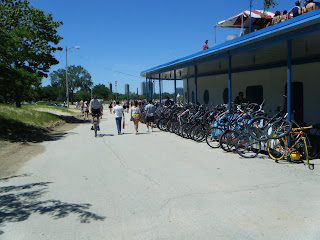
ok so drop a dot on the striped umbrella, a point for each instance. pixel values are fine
(259, 19)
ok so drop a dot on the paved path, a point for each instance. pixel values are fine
(155, 186)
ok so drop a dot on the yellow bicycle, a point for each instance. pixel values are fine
(278, 148)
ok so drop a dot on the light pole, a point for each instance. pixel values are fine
(250, 16)
(67, 85)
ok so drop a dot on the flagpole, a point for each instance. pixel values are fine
(250, 17)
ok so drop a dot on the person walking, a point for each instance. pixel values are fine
(81, 106)
(135, 115)
(127, 105)
(205, 45)
(118, 113)
(86, 111)
(110, 107)
(150, 111)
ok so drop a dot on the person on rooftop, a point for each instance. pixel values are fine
(276, 19)
(310, 6)
(205, 45)
(304, 9)
(296, 10)
(284, 16)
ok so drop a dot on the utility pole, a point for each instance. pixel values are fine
(115, 85)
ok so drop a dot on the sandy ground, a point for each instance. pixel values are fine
(13, 155)
(57, 112)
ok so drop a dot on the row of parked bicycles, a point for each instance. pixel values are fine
(246, 130)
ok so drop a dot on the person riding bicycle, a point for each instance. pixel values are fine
(95, 109)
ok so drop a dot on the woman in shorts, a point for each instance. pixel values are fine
(135, 115)
(86, 111)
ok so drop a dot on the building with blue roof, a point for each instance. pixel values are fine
(278, 60)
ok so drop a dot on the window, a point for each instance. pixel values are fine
(225, 96)
(192, 97)
(254, 94)
(206, 96)
(296, 101)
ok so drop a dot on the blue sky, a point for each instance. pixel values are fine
(133, 36)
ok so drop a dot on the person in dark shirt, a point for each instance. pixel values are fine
(168, 102)
(296, 10)
(240, 99)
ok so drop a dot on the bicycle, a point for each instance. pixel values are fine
(278, 147)
(95, 123)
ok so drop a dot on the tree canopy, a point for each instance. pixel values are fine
(102, 92)
(28, 37)
(78, 78)
(269, 3)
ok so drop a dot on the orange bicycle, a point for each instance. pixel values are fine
(278, 147)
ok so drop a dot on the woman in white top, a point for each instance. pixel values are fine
(86, 111)
(135, 115)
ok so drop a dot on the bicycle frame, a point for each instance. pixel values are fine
(286, 150)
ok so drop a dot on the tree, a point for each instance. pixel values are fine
(49, 93)
(269, 3)
(26, 48)
(102, 92)
(78, 78)
(165, 95)
(82, 94)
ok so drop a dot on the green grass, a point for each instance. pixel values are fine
(33, 107)
(44, 103)
(27, 115)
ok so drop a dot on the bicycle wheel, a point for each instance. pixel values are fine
(246, 146)
(212, 137)
(227, 140)
(163, 124)
(186, 131)
(95, 127)
(169, 126)
(199, 134)
(278, 129)
(277, 148)
(196, 133)
(257, 128)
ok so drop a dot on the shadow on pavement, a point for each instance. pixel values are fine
(105, 135)
(18, 203)
(16, 131)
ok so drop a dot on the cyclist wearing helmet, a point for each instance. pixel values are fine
(95, 108)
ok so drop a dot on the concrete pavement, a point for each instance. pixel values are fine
(155, 186)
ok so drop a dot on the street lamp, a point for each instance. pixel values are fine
(250, 16)
(67, 86)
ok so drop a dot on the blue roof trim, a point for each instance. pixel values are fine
(266, 32)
